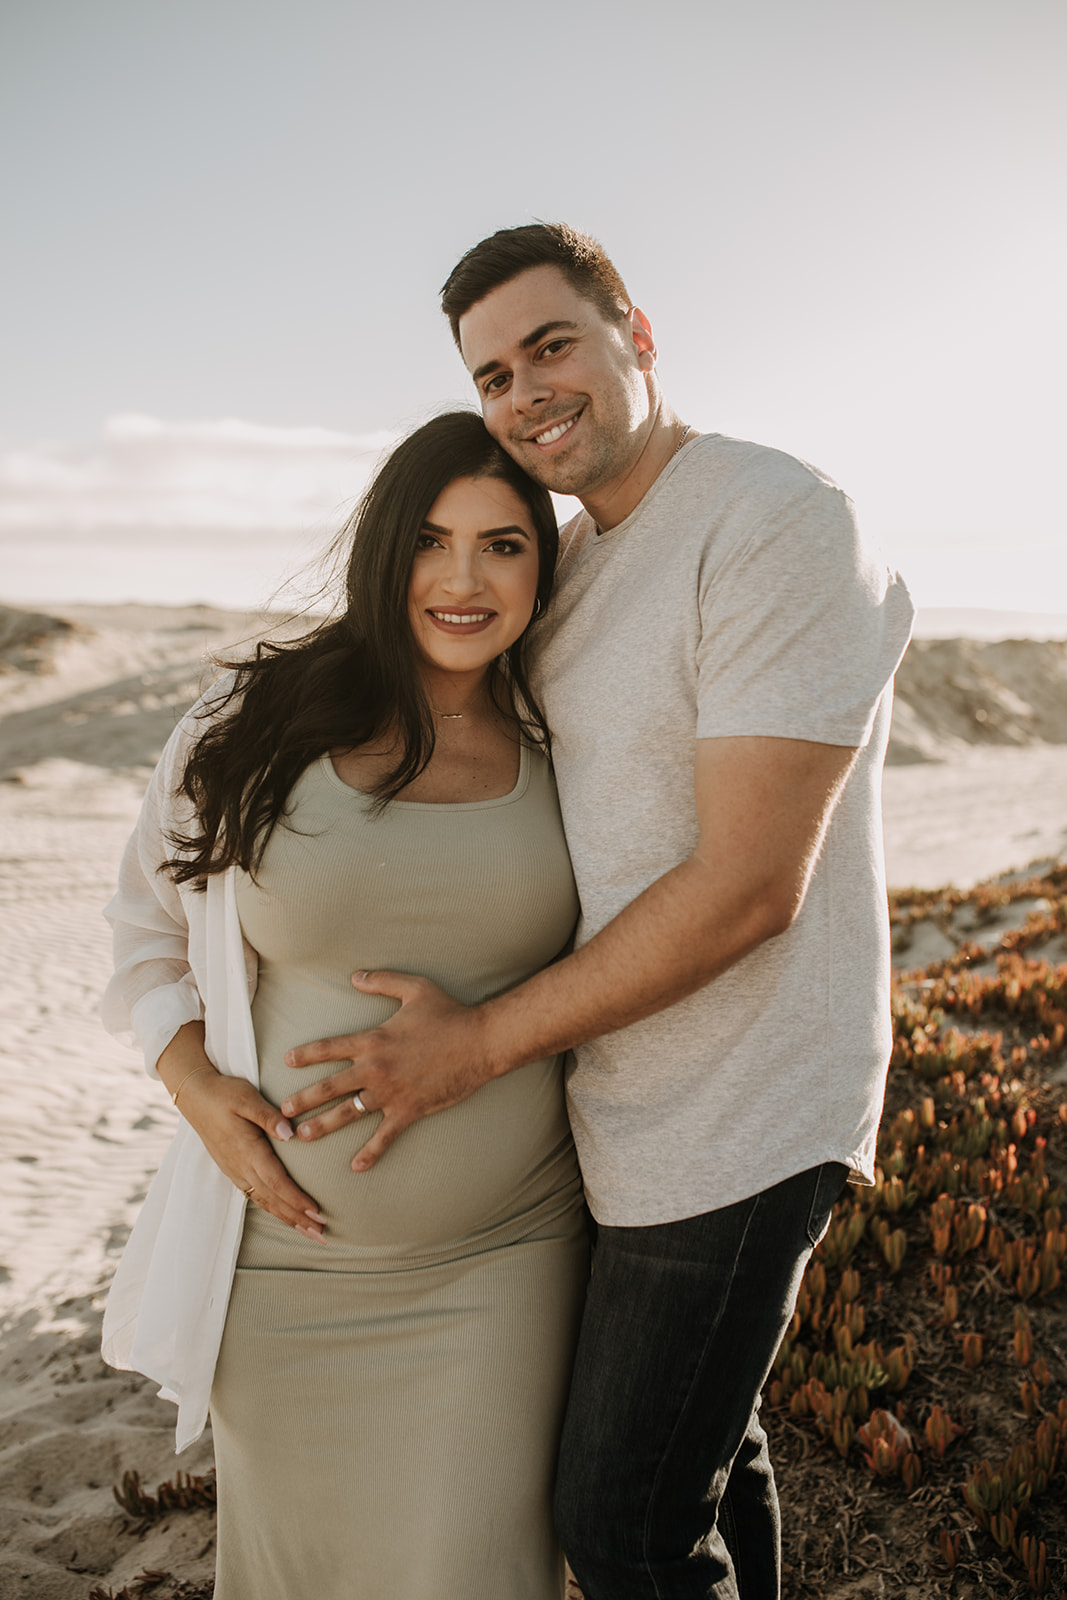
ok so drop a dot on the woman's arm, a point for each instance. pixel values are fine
(235, 1125)
(152, 1001)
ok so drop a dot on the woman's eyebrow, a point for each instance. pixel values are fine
(489, 533)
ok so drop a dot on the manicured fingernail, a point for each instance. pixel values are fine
(283, 1130)
(310, 1233)
(358, 1165)
(316, 1216)
(303, 1132)
(359, 977)
(288, 1107)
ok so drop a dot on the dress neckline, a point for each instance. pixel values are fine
(329, 771)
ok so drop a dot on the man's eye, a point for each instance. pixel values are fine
(496, 383)
(554, 346)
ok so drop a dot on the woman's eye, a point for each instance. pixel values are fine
(506, 547)
(427, 541)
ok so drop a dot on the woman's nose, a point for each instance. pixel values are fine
(462, 577)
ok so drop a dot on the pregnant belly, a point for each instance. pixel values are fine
(465, 1171)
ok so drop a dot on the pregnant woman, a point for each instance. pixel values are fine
(386, 1354)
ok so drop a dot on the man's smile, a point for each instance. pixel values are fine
(556, 431)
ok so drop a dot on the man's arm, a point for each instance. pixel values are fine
(763, 806)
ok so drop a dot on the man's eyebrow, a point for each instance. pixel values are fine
(489, 533)
(524, 344)
(539, 333)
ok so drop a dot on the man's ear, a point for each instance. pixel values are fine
(644, 344)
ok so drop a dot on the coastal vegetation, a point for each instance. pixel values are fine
(918, 1405)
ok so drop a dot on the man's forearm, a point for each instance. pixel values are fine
(683, 931)
(764, 806)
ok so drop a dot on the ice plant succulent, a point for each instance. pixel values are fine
(962, 1226)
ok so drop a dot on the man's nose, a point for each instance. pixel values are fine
(529, 391)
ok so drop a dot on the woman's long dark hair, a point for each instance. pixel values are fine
(356, 676)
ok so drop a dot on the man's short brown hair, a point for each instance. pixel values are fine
(496, 260)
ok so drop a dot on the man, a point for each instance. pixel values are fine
(714, 667)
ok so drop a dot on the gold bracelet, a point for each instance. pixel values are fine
(185, 1080)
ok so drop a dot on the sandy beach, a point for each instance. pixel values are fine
(85, 705)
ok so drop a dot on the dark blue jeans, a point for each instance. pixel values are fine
(665, 1489)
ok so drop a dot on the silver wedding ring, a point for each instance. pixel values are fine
(357, 1101)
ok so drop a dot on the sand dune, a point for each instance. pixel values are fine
(86, 704)
(976, 774)
(956, 694)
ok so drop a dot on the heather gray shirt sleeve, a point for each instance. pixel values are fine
(797, 641)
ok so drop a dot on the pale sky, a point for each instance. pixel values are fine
(845, 219)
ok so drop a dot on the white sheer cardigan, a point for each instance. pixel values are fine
(179, 957)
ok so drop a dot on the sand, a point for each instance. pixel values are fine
(81, 1126)
(84, 711)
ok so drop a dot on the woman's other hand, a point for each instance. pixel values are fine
(235, 1125)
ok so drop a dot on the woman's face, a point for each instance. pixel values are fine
(474, 576)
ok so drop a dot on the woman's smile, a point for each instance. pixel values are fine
(463, 621)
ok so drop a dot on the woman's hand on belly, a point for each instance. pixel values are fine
(235, 1125)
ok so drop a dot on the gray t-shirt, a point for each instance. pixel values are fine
(737, 599)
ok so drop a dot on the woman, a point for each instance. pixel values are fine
(387, 1354)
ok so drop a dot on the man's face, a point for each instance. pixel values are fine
(564, 390)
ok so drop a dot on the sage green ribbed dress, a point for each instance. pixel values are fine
(386, 1408)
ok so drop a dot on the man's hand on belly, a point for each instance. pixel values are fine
(430, 1055)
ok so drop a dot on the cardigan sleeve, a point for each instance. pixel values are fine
(153, 991)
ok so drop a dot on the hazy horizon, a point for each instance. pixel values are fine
(840, 218)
